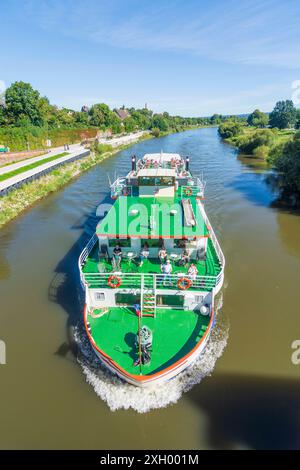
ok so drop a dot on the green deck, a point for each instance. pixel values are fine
(153, 219)
(209, 267)
(175, 333)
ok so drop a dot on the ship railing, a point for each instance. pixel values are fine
(84, 254)
(213, 238)
(195, 187)
(117, 187)
(151, 281)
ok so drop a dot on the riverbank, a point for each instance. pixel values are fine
(20, 199)
(255, 142)
(272, 149)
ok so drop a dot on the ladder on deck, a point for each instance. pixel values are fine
(148, 296)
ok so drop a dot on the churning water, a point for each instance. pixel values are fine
(118, 394)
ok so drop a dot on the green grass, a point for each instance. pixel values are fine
(260, 144)
(31, 166)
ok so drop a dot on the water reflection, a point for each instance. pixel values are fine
(250, 412)
(254, 187)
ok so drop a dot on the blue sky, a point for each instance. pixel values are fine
(191, 57)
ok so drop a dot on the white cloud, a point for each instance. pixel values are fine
(261, 32)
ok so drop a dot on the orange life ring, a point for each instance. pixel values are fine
(188, 191)
(114, 282)
(184, 283)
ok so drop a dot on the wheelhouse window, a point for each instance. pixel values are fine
(180, 243)
(152, 242)
(123, 242)
(156, 181)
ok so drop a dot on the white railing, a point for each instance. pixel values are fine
(195, 186)
(117, 187)
(84, 254)
(151, 281)
(213, 236)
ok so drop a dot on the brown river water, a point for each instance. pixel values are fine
(249, 395)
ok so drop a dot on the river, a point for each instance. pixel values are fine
(249, 396)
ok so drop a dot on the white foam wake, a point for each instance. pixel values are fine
(118, 394)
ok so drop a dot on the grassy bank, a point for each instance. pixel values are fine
(255, 142)
(279, 149)
(21, 198)
(22, 169)
(18, 200)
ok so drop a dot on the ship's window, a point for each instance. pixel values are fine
(128, 299)
(126, 242)
(170, 300)
(99, 296)
(152, 243)
(180, 243)
(156, 181)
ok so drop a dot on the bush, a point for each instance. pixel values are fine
(155, 131)
(261, 138)
(230, 129)
(101, 148)
(287, 162)
(261, 152)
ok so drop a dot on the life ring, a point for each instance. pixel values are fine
(184, 283)
(188, 191)
(114, 282)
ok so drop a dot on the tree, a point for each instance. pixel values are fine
(81, 118)
(23, 104)
(100, 115)
(2, 116)
(160, 122)
(297, 125)
(130, 124)
(229, 129)
(258, 119)
(284, 115)
(216, 119)
(288, 164)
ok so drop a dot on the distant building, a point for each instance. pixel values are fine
(85, 109)
(122, 113)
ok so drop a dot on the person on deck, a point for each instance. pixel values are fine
(144, 253)
(166, 269)
(193, 272)
(117, 255)
(162, 254)
(184, 258)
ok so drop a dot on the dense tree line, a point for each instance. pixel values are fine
(25, 107)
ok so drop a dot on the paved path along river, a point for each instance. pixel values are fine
(250, 400)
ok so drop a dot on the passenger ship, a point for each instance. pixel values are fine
(151, 273)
